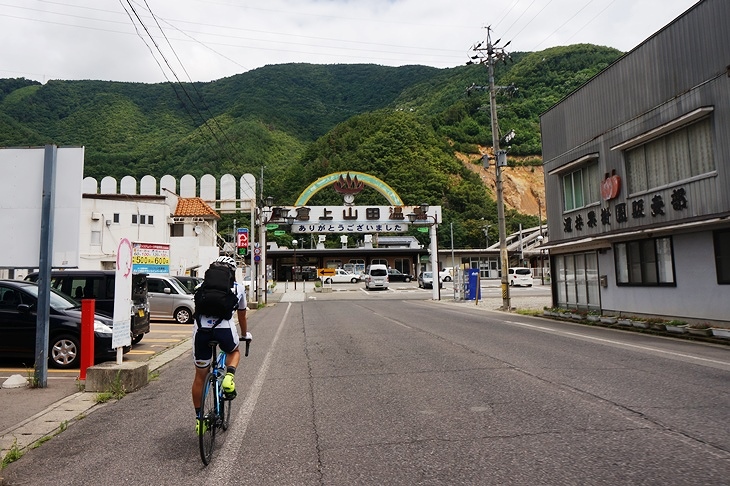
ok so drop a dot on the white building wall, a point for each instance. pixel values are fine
(696, 293)
(100, 235)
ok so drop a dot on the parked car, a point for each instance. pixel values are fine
(447, 274)
(99, 285)
(189, 282)
(18, 316)
(398, 276)
(520, 276)
(425, 280)
(169, 299)
(376, 277)
(340, 276)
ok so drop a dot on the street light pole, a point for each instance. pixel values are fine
(294, 267)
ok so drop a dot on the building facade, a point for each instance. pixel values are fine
(637, 172)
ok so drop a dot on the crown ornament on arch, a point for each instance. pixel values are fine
(348, 185)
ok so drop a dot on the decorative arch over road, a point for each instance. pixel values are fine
(366, 179)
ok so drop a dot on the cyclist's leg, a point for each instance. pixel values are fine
(228, 341)
(202, 356)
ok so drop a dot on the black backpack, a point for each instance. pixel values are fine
(215, 297)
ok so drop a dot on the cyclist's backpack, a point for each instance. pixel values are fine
(215, 297)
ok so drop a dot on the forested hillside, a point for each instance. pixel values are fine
(418, 128)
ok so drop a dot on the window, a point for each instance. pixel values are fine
(115, 218)
(379, 261)
(142, 219)
(581, 187)
(722, 256)
(645, 262)
(576, 280)
(177, 230)
(403, 265)
(677, 156)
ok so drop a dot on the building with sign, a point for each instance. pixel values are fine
(637, 171)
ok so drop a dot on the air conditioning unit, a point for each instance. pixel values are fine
(95, 216)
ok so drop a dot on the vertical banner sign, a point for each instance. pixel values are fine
(121, 335)
(242, 241)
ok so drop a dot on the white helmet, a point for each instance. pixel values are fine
(226, 260)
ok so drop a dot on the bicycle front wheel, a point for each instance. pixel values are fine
(225, 412)
(208, 418)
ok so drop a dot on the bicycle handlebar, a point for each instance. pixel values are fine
(248, 344)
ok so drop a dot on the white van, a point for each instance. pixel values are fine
(520, 276)
(376, 277)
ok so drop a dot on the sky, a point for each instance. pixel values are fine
(153, 41)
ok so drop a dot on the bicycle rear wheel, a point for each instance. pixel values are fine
(208, 418)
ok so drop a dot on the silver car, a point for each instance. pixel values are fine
(169, 299)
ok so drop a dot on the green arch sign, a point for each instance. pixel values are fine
(367, 179)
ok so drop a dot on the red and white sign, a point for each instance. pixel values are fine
(242, 238)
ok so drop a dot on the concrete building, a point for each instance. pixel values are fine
(637, 172)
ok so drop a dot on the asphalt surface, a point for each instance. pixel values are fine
(30, 414)
(395, 396)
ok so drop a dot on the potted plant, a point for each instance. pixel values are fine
(578, 314)
(721, 332)
(624, 321)
(608, 320)
(676, 326)
(639, 323)
(656, 324)
(593, 315)
(699, 329)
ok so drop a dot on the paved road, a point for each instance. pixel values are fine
(396, 391)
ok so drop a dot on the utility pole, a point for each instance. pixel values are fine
(489, 54)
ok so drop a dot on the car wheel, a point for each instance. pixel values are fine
(328, 280)
(447, 279)
(64, 351)
(136, 339)
(353, 280)
(511, 284)
(183, 315)
(407, 279)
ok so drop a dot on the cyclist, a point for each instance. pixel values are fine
(226, 334)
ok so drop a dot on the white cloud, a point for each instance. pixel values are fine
(95, 39)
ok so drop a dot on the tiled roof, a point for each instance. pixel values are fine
(194, 206)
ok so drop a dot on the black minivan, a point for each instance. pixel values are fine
(99, 285)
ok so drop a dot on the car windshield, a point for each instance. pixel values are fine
(427, 275)
(378, 272)
(57, 301)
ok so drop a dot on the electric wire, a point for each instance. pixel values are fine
(231, 156)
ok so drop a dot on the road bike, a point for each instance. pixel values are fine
(215, 410)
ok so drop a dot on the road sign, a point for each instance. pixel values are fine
(242, 241)
(257, 251)
(279, 232)
(272, 226)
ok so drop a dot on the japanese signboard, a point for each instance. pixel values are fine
(151, 258)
